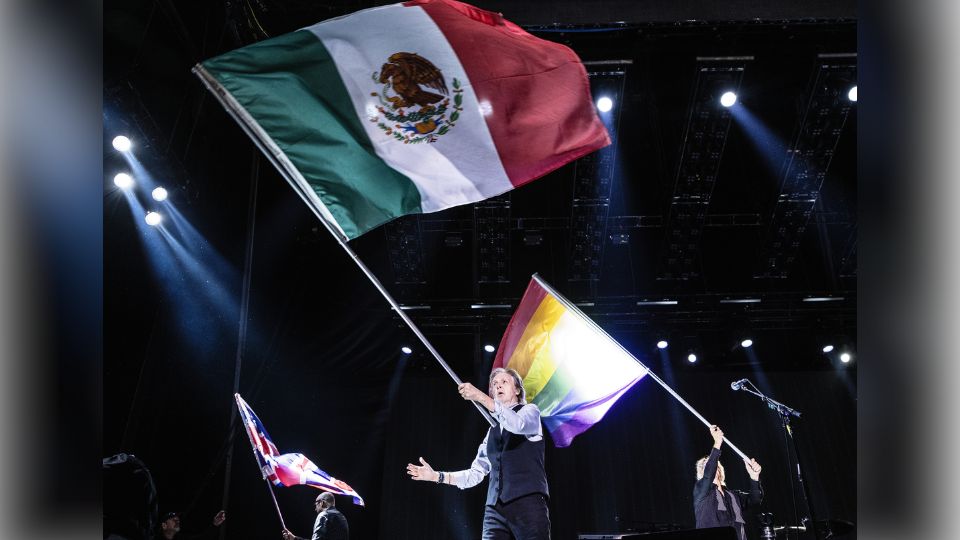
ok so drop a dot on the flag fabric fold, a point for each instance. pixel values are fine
(408, 108)
(293, 469)
(264, 451)
(571, 369)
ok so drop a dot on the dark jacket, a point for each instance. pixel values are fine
(707, 506)
(331, 525)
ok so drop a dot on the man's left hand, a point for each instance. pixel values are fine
(753, 468)
(219, 518)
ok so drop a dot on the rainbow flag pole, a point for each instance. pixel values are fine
(546, 342)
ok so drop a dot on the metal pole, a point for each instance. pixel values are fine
(293, 177)
(242, 331)
(275, 505)
(800, 477)
(785, 413)
(396, 307)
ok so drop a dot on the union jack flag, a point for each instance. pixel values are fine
(264, 450)
(297, 469)
(287, 469)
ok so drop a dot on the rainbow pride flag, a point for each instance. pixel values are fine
(572, 370)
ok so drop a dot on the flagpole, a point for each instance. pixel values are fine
(396, 307)
(572, 307)
(300, 186)
(275, 505)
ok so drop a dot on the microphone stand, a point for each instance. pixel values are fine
(785, 414)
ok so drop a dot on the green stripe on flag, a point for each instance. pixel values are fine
(291, 87)
(557, 388)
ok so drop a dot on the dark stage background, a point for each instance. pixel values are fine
(347, 399)
(316, 351)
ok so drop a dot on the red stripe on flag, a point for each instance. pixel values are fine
(542, 112)
(532, 298)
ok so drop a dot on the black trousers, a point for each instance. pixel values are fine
(526, 518)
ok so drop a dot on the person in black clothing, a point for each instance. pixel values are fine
(713, 504)
(511, 454)
(170, 527)
(330, 524)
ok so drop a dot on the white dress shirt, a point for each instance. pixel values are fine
(524, 422)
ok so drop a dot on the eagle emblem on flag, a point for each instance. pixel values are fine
(414, 102)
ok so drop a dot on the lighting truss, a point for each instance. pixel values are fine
(705, 137)
(593, 181)
(687, 313)
(807, 163)
(848, 264)
(492, 228)
(405, 248)
(587, 227)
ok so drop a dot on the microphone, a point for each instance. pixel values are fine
(736, 385)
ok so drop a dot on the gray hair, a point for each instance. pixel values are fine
(517, 380)
(702, 464)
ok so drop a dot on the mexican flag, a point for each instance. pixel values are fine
(408, 108)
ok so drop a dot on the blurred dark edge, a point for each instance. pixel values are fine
(894, 62)
(52, 63)
(62, 477)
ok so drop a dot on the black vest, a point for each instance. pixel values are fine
(516, 466)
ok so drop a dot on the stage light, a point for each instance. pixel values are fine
(747, 343)
(489, 348)
(828, 348)
(728, 99)
(123, 180)
(620, 239)
(852, 94)
(153, 219)
(406, 350)
(121, 143)
(692, 358)
(532, 238)
(845, 358)
(159, 194)
(662, 344)
(604, 104)
(486, 109)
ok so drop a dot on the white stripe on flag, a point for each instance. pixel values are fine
(573, 340)
(463, 165)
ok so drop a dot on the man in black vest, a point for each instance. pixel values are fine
(512, 455)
